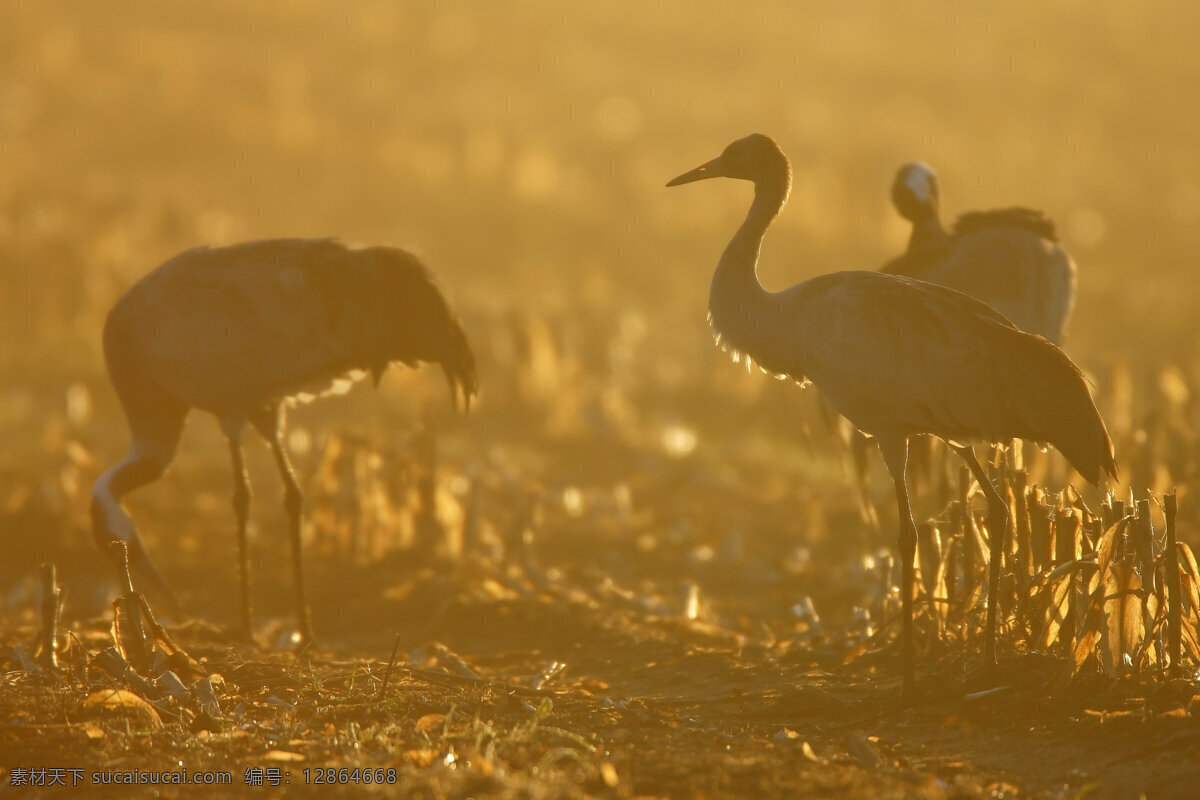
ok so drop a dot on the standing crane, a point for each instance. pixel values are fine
(244, 331)
(899, 357)
(1009, 258)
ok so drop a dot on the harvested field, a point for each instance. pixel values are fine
(632, 570)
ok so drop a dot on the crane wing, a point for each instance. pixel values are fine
(1027, 219)
(897, 356)
(1027, 277)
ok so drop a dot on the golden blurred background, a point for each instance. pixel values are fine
(521, 149)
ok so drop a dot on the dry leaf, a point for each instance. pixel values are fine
(1058, 603)
(125, 703)
(429, 722)
(93, 733)
(1124, 628)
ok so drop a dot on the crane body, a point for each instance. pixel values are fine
(246, 330)
(1009, 258)
(899, 357)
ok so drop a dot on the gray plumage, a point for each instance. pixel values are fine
(242, 332)
(897, 357)
(1009, 258)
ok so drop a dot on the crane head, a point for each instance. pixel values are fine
(915, 191)
(756, 157)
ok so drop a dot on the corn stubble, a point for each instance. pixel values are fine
(1109, 592)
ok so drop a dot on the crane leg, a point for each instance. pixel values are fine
(241, 507)
(895, 456)
(998, 533)
(271, 425)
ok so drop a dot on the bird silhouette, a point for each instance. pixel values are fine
(244, 331)
(1009, 258)
(898, 357)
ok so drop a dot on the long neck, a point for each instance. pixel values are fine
(109, 518)
(927, 231)
(110, 521)
(928, 246)
(737, 300)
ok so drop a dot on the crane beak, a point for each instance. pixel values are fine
(709, 169)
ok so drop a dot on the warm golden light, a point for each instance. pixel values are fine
(631, 569)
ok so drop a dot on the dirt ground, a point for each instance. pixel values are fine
(579, 648)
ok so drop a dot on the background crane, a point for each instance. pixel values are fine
(241, 332)
(1009, 258)
(898, 357)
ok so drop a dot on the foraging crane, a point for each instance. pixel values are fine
(1009, 258)
(898, 357)
(242, 332)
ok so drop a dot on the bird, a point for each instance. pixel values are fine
(898, 357)
(245, 331)
(1009, 258)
